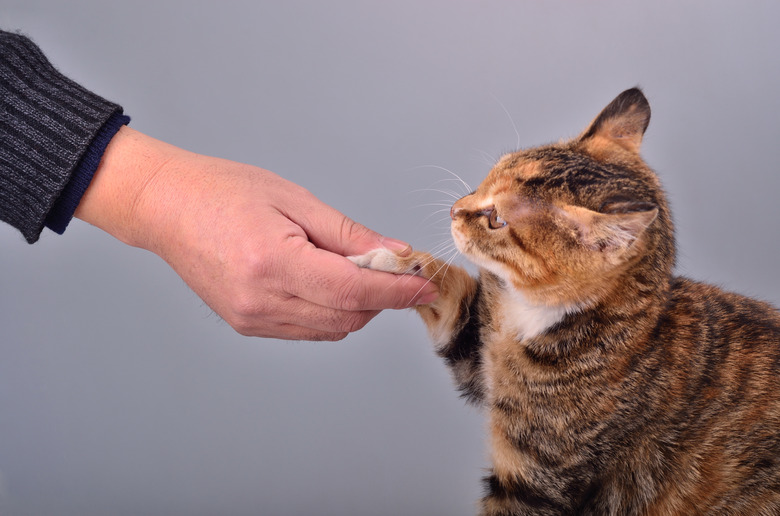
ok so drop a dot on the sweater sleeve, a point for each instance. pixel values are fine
(50, 129)
(65, 206)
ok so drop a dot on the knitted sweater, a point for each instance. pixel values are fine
(52, 135)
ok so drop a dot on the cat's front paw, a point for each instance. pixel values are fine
(382, 259)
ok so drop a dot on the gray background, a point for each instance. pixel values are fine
(121, 394)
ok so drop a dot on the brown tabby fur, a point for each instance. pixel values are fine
(612, 386)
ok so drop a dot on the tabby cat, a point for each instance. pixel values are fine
(611, 385)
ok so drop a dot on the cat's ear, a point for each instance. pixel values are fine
(615, 228)
(622, 122)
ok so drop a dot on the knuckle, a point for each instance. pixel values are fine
(249, 313)
(319, 335)
(351, 230)
(246, 306)
(333, 337)
(354, 322)
(349, 298)
(256, 265)
(242, 326)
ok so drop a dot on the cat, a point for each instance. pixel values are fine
(612, 386)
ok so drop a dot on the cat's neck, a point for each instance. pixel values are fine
(515, 314)
(524, 319)
(557, 328)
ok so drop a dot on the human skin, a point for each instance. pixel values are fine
(262, 252)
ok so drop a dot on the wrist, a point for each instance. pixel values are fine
(118, 200)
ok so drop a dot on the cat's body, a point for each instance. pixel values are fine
(611, 386)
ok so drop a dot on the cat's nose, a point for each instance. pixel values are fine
(454, 212)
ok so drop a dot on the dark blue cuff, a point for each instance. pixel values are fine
(65, 206)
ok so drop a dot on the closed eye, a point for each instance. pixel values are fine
(494, 221)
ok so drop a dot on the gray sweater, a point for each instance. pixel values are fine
(47, 125)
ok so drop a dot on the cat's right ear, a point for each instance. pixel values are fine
(623, 122)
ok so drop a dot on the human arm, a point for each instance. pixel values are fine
(262, 252)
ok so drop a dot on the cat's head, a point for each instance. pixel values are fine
(565, 223)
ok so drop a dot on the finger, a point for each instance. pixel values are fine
(304, 313)
(282, 309)
(330, 280)
(293, 332)
(331, 230)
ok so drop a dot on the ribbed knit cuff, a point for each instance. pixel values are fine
(65, 206)
(47, 124)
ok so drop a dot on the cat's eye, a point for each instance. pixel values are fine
(494, 221)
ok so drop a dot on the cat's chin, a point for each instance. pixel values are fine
(466, 248)
(495, 268)
(459, 238)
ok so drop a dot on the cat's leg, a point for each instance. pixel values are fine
(453, 320)
(444, 316)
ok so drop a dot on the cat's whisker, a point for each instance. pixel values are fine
(446, 180)
(444, 209)
(421, 288)
(446, 241)
(406, 278)
(443, 213)
(439, 220)
(456, 176)
(446, 205)
(490, 160)
(440, 250)
(448, 193)
(447, 264)
(437, 224)
(444, 233)
(452, 252)
(440, 211)
(517, 133)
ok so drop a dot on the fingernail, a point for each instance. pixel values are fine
(398, 247)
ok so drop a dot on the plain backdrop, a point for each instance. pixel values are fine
(122, 394)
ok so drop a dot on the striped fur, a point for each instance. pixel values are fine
(612, 387)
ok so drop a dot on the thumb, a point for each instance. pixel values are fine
(331, 230)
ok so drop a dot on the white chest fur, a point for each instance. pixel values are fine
(527, 320)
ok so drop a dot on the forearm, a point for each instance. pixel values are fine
(154, 195)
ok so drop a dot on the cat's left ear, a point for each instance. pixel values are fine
(622, 122)
(614, 229)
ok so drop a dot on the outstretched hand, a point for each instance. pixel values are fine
(262, 252)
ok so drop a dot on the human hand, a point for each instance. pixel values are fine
(262, 252)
